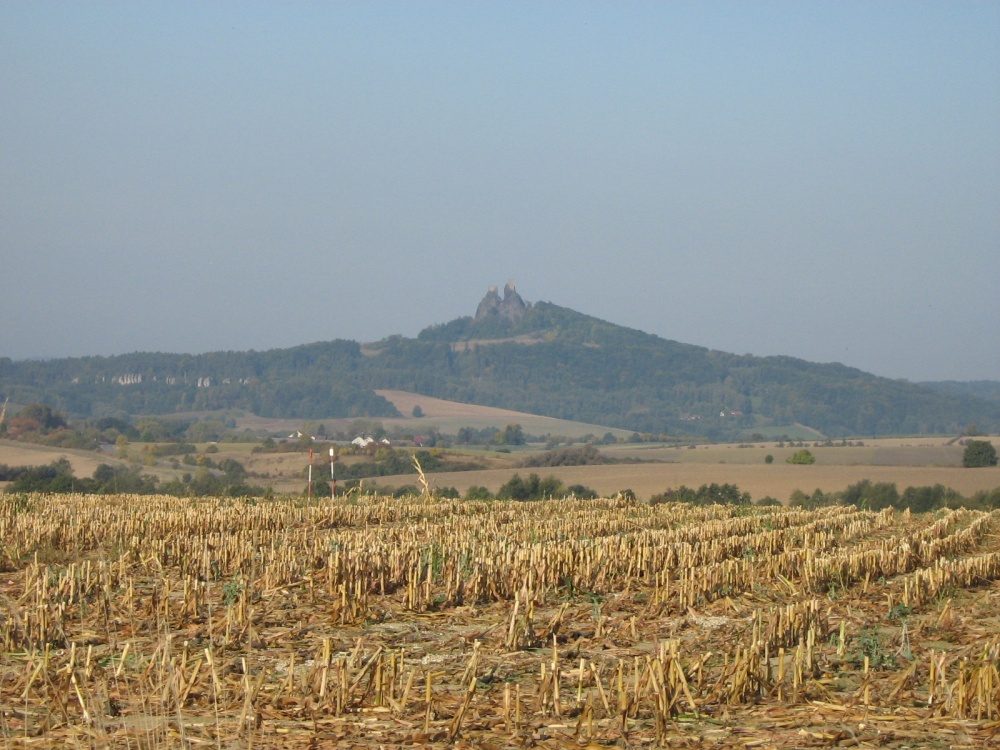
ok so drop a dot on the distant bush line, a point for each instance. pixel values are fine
(518, 488)
(228, 480)
(584, 455)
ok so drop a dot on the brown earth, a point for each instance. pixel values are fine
(777, 480)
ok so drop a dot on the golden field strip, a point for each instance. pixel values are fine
(905, 461)
(149, 621)
(777, 480)
(445, 416)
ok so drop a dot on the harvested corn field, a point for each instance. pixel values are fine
(136, 621)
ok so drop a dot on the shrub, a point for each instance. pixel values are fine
(55, 477)
(924, 499)
(818, 499)
(986, 499)
(871, 496)
(478, 492)
(532, 488)
(803, 456)
(407, 490)
(979, 453)
(707, 494)
(579, 456)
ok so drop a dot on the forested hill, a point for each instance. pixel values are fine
(539, 358)
(988, 390)
(322, 379)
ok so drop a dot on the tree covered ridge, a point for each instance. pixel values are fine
(306, 381)
(549, 360)
(988, 390)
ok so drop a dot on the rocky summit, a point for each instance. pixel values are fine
(510, 308)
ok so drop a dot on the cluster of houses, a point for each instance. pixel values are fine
(361, 441)
(365, 441)
(722, 415)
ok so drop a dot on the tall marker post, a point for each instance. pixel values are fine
(309, 487)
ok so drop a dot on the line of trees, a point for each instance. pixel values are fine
(707, 494)
(869, 495)
(229, 480)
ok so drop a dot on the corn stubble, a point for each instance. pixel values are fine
(138, 622)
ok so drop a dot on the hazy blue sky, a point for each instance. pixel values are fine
(814, 179)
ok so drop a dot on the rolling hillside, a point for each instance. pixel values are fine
(542, 358)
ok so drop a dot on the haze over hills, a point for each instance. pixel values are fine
(539, 358)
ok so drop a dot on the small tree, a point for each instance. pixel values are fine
(769, 459)
(512, 434)
(47, 418)
(803, 456)
(478, 492)
(979, 453)
(417, 411)
(871, 496)
(581, 492)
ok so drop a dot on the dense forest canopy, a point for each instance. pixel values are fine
(983, 389)
(541, 358)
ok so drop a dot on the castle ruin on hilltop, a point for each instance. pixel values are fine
(510, 308)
